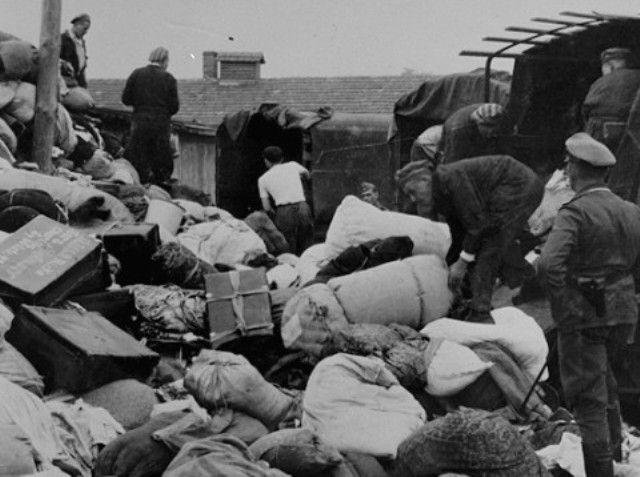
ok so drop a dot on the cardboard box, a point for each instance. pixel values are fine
(78, 351)
(44, 261)
(133, 245)
(238, 304)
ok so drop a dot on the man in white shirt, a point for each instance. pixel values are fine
(282, 184)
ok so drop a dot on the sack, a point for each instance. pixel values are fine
(451, 367)
(170, 309)
(282, 276)
(7, 92)
(225, 241)
(219, 379)
(310, 320)
(218, 456)
(515, 330)
(65, 137)
(311, 261)
(38, 200)
(17, 58)
(23, 105)
(24, 409)
(17, 456)
(99, 166)
(297, 452)
(78, 100)
(356, 464)
(411, 292)
(7, 136)
(191, 209)
(356, 222)
(136, 453)
(356, 404)
(124, 172)
(16, 368)
(70, 194)
(557, 192)
(262, 225)
(129, 401)
(193, 427)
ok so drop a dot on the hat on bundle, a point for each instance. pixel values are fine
(488, 114)
(582, 146)
(615, 53)
(158, 55)
(83, 17)
(470, 441)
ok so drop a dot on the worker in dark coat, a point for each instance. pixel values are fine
(471, 132)
(588, 262)
(606, 107)
(73, 51)
(486, 201)
(153, 93)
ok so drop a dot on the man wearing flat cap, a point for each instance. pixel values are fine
(153, 93)
(606, 107)
(472, 131)
(588, 264)
(73, 51)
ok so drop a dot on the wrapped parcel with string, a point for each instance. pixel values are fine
(238, 304)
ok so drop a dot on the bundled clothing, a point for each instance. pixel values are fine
(588, 262)
(283, 184)
(461, 138)
(153, 93)
(606, 107)
(486, 201)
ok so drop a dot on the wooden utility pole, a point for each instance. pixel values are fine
(47, 86)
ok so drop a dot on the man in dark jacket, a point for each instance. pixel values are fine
(588, 262)
(73, 51)
(606, 107)
(486, 201)
(153, 93)
(471, 132)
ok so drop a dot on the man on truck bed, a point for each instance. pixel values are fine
(588, 262)
(607, 105)
(486, 201)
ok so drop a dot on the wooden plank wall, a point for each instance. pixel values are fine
(197, 164)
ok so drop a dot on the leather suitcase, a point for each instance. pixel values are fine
(78, 351)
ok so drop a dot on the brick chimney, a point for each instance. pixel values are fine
(232, 66)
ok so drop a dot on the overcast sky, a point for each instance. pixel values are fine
(297, 37)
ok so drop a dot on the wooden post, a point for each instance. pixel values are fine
(47, 87)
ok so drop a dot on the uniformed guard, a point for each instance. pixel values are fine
(588, 263)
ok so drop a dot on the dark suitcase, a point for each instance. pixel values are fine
(44, 261)
(133, 245)
(78, 351)
(117, 306)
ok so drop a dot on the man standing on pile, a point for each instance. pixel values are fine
(588, 261)
(283, 183)
(486, 201)
(73, 51)
(607, 105)
(472, 131)
(153, 93)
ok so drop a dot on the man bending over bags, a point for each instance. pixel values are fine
(486, 202)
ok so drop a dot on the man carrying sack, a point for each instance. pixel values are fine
(486, 201)
(588, 262)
